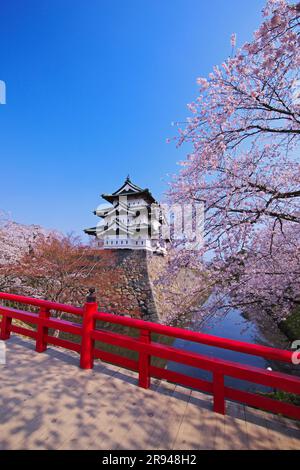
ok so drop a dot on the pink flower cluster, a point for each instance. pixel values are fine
(245, 133)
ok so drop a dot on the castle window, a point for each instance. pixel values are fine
(136, 243)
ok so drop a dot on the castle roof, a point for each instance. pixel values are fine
(117, 225)
(129, 189)
(121, 207)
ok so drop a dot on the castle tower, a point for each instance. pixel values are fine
(133, 220)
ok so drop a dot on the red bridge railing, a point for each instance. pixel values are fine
(147, 348)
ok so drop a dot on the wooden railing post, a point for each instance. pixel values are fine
(144, 361)
(42, 331)
(5, 326)
(88, 326)
(219, 392)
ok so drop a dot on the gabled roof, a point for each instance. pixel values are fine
(125, 229)
(121, 207)
(129, 189)
(128, 183)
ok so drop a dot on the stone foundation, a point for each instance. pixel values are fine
(123, 284)
(133, 283)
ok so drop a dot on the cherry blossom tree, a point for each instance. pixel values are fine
(244, 132)
(59, 269)
(17, 239)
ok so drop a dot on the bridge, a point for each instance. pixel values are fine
(113, 402)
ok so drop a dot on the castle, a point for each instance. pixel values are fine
(134, 220)
(131, 237)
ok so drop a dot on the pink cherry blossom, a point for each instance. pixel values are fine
(245, 134)
(233, 40)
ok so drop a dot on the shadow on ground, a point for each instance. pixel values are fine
(48, 402)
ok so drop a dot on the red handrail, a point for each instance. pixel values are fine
(146, 348)
(210, 340)
(41, 303)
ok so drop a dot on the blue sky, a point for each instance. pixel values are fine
(92, 89)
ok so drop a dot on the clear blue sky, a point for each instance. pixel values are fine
(92, 89)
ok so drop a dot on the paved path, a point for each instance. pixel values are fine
(47, 402)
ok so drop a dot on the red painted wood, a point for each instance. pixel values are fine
(116, 359)
(219, 392)
(63, 325)
(6, 324)
(19, 315)
(181, 379)
(41, 303)
(23, 331)
(146, 349)
(144, 361)
(64, 343)
(118, 340)
(156, 372)
(224, 343)
(248, 348)
(262, 402)
(42, 331)
(279, 380)
(87, 341)
(233, 369)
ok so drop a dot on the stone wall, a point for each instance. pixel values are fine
(123, 284)
(136, 283)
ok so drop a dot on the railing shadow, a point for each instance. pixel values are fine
(45, 404)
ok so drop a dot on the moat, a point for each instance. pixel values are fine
(236, 326)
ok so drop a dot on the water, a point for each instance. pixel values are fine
(235, 326)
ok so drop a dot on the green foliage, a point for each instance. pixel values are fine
(286, 397)
(291, 326)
